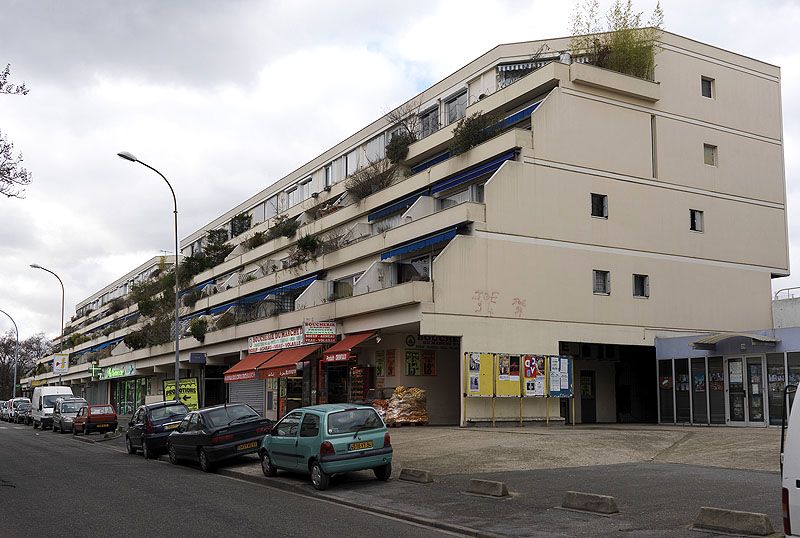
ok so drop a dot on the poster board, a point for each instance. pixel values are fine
(479, 372)
(507, 375)
(559, 376)
(533, 376)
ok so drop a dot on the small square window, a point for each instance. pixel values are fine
(695, 220)
(641, 286)
(707, 87)
(601, 282)
(710, 154)
(600, 206)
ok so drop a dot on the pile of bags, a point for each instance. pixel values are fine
(381, 406)
(407, 406)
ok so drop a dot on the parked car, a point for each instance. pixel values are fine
(23, 413)
(97, 417)
(324, 440)
(64, 413)
(151, 425)
(217, 433)
(43, 401)
(14, 408)
(3, 411)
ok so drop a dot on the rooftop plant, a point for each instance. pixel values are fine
(473, 130)
(375, 176)
(282, 227)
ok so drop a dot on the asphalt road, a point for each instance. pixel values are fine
(52, 484)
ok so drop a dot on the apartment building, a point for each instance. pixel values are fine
(605, 211)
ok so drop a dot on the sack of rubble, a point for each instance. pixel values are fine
(407, 406)
(381, 406)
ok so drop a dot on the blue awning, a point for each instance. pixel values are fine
(420, 244)
(395, 207)
(261, 295)
(199, 286)
(473, 173)
(427, 163)
(221, 308)
(517, 117)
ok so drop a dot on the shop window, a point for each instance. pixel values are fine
(707, 87)
(682, 388)
(710, 154)
(418, 269)
(601, 281)
(776, 382)
(716, 390)
(599, 206)
(695, 220)
(641, 286)
(310, 425)
(665, 385)
(699, 389)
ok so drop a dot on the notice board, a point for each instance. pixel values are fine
(559, 376)
(507, 371)
(479, 369)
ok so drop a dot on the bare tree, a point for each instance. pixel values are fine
(30, 350)
(13, 176)
(405, 118)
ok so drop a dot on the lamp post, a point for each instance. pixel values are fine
(16, 355)
(37, 266)
(129, 157)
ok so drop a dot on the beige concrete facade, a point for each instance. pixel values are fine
(529, 240)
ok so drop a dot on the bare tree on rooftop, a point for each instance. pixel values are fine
(13, 176)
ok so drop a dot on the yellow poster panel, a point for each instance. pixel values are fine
(507, 372)
(479, 373)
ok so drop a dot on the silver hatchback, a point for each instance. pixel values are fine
(64, 413)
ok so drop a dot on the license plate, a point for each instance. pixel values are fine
(171, 426)
(102, 425)
(245, 446)
(360, 445)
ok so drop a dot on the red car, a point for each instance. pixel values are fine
(96, 417)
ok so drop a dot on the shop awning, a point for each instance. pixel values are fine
(710, 342)
(283, 364)
(245, 369)
(341, 350)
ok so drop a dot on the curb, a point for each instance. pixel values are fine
(84, 439)
(404, 516)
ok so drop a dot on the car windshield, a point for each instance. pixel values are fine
(20, 403)
(72, 407)
(353, 420)
(223, 416)
(51, 399)
(24, 406)
(101, 410)
(174, 410)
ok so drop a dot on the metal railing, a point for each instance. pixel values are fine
(788, 292)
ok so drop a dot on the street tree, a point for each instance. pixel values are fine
(30, 350)
(13, 176)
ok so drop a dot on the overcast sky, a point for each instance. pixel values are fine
(227, 97)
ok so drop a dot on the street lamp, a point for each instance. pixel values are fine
(129, 157)
(16, 355)
(37, 266)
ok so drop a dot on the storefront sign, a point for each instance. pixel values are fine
(197, 358)
(432, 341)
(276, 340)
(240, 376)
(120, 370)
(38, 382)
(338, 357)
(288, 371)
(188, 392)
(319, 332)
(60, 363)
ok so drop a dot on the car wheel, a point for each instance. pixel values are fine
(128, 446)
(266, 465)
(173, 456)
(35, 426)
(74, 431)
(383, 472)
(146, 451)
(205, 465)
(318, 477)
(54, 427)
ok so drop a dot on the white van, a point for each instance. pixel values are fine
(43, 401)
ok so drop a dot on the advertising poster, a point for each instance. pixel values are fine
(474, 383)
(474, 362)
(481, 374)
(380, 364)
(735, 372)
(533, 375)
(428, 362)
(716, 381)
(555, 375)
(412, 363)
(564, 373)
(513, 368)
(390, 362)
(699, 381)
(503, 367)
(665, 382)
(560, 377)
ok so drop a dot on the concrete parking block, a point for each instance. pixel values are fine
(416, 475)
(733, 521)
(590, 502)
(487, 487)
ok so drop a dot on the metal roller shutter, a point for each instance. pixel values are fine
(252, 393)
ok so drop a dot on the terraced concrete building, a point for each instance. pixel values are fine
(604, 210)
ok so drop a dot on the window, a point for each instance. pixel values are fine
(305, 189)
(456, 108)
(695, 220)
(310, 425)
(343, 288)
(418, 269)
(600, 206)
(641, 286)
(329, 175)
(257, 214)
(353, 420)
(271, 207)
(710, 154)
(429, 122)
(293, 197)
(376, 148)
(601, 282)
(288, 426)
(353, 162)
(707, 87)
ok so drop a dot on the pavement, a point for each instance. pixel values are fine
(660, 476)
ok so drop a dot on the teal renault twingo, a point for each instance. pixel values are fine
(324, 440)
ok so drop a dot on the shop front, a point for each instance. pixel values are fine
(734, 379)
(126, 391)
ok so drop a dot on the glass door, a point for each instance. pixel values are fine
(737, 396)
(755, 390)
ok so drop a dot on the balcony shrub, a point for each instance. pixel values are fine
(282, 227)
(397, 148)
(621, 44)
(191, 298)
(254, 241)
(240, 224)
(473, 130)
(198, 328)
(375, 176)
